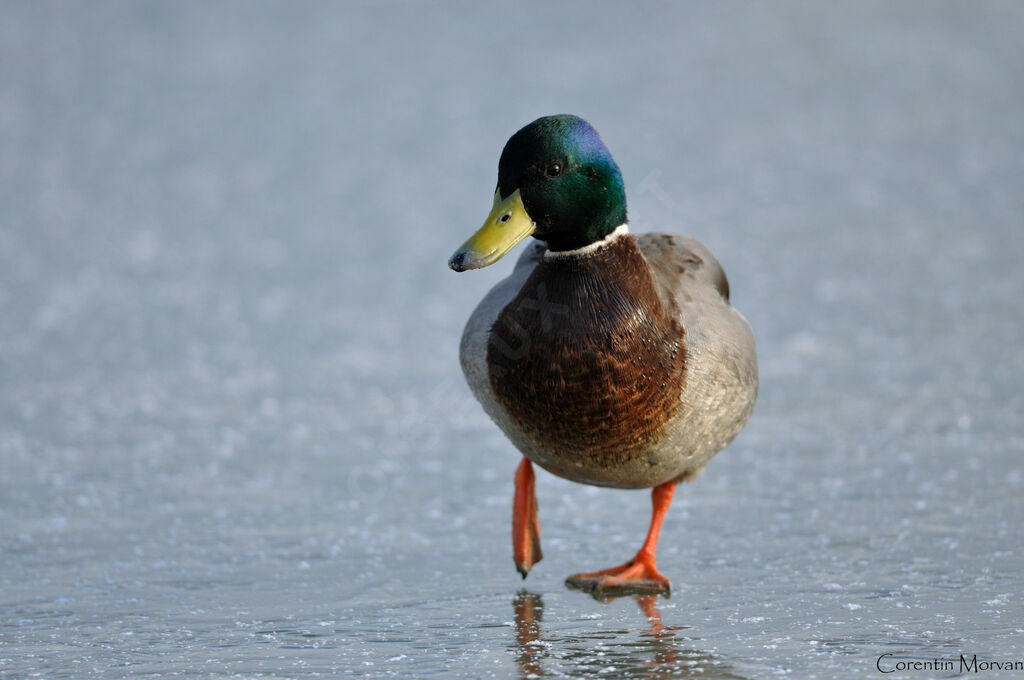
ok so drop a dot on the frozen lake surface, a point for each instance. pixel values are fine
(234, 438)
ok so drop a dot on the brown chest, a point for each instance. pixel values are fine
(586, 359)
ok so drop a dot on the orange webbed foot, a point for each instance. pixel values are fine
(526, 550)
(639, 575)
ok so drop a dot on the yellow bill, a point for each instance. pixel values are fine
(507, 225)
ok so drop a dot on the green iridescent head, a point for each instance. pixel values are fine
(557, 182)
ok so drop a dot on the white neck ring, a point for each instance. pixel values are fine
(591, 248)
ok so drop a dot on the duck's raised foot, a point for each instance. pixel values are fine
(526, 550)
(638, 576)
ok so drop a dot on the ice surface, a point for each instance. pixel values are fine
(234, 438)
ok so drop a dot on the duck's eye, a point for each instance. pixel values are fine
(554, 170)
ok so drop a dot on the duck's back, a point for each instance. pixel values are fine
(708, 406)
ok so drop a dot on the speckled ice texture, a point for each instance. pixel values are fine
(234, 438)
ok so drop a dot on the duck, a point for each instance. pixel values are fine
(607, 358)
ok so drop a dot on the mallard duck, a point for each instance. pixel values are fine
(607, 358)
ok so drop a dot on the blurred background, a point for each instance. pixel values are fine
(234, 436)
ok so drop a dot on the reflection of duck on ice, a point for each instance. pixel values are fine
(657, 652)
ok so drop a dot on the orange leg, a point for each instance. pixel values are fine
(525, 525)
(641, 573)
